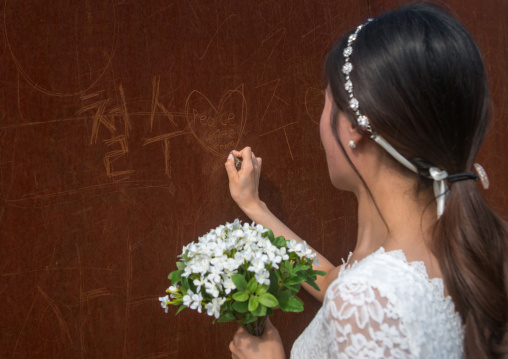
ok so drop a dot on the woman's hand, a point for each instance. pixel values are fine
(244, 184)
(268, 346)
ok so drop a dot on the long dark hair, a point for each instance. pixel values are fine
(420, 79)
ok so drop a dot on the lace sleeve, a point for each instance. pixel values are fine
(363, 323)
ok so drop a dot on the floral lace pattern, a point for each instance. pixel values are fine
(383, 307)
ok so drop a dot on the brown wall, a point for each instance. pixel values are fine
(106, 170)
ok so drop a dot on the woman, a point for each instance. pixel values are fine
(406, 110)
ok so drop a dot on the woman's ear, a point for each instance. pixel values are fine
(355, 136)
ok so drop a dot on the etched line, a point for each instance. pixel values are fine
(169, 115)
(98, 118)
(155, 98)
(287, 141)
(112, 156)
(278, 129)
(277, 81)
(95, 293)
(57, 312)
(164, 136)
(126, 118)
(214, 36)
(92, 95)
(167, 157)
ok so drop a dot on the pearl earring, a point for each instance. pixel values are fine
(352, 144)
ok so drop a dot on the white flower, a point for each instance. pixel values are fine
(301, 249)
(213, 308)
(199, 282)
(283, 254)
(172, 290)
(294, 246)
(220, 261)
(193, 301)
(263, 277)
(316, 261)
(164, 302)
(211, 289)
(258, 265)
(214, 274)
(187, 300)
(228, 285)
(233, 264)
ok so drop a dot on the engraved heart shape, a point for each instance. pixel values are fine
(217, 129)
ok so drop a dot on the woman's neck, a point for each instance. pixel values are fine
(401, 220)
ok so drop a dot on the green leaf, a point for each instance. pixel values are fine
(180, 265)
(269, 234)
(226, 317)
(182, 307)
(260, 311)
(191, 285)
(279, 242)
(241, 307)
(249, 318)
(296, 279)
(268, 300)
(269, 311)
(274, 283)
(175, 276)
(290, 303)
(286, 268)
(262, 289)
(228, 306)
(241, 296)
(319, 272)
(253, 303)
(299, 268)
(252, 285)
(293, 287)
(240, 282)
(313, 284)
(185, 283)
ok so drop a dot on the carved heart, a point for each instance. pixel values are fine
(217, 129)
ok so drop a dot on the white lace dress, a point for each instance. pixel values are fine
(383, 307)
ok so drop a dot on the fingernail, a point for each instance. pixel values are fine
(230, 156)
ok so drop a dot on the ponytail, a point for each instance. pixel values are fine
(470, 242)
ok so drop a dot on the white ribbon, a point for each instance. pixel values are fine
(440, 188)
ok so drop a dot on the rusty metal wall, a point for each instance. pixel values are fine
(116, 118)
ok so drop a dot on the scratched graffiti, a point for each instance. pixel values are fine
(85, 65)
(217, 128)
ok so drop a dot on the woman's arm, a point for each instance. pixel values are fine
(244, 185)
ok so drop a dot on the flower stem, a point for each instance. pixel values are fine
(257, 327)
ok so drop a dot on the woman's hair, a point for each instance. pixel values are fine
(420, 79)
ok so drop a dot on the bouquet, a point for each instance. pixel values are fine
(241, 273)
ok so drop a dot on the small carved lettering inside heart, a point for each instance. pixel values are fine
(217, 129)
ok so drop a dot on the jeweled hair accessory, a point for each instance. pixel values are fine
(441, 190)
(354, 104)
(484, 179)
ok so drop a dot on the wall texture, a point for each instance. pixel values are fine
(116, 118)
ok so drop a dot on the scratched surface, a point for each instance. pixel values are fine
(115, 121)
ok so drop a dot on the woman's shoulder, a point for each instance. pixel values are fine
(384, 292)
(403, 283)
